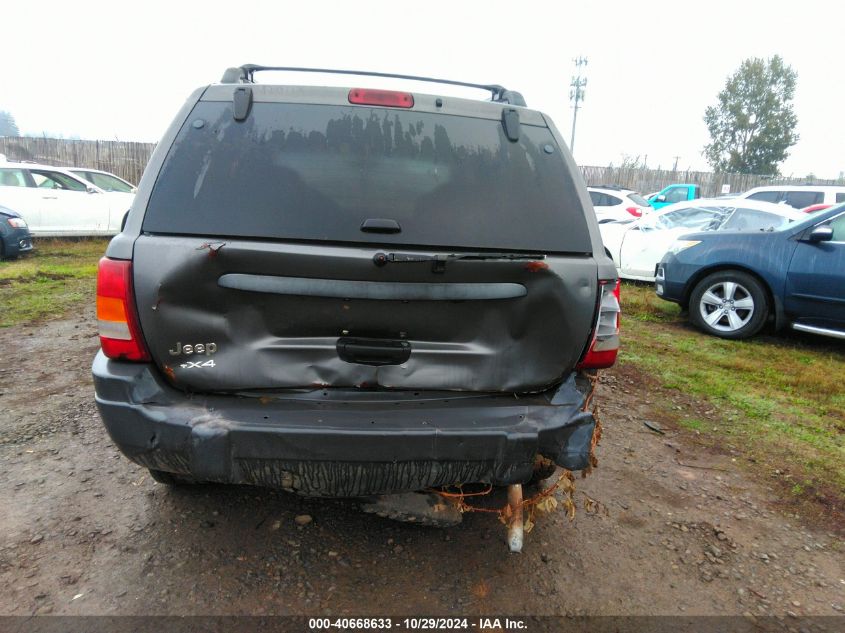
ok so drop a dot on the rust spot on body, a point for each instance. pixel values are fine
(535, 266)
(212, 247)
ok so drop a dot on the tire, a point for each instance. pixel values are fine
(170, 479)
(729, 304)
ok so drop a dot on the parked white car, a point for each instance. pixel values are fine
(637, 246)
(56, 203)
(797, 196)
(616, 204)
(105, 180)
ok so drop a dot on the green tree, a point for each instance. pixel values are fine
(8, 127)
(753, 125)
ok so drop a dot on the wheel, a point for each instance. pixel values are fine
(170, 479)
(729, 304)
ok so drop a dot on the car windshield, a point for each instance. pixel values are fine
(753, 220)
(714, 218)
(694, 218)
(106, 182)
(638, 199)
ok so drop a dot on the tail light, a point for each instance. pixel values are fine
(117, 318)
(605, 343)
(635, 211)
(390, 98)
(811, 209)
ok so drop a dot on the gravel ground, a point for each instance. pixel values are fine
(678, 529)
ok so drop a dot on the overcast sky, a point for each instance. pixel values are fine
(109, 70)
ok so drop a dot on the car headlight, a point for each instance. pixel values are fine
(17, 223)
(682, 245)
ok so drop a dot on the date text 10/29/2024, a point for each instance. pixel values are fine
(416, 624)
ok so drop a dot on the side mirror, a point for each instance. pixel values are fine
(821, 234)
(660, 198)
(90, 189)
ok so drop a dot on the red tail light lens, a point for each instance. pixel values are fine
(120, 336)
(389, 98)
(811, 209)
(635, 211)
(605, 344)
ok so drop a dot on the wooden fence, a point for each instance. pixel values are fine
(128, 159)
(650, 180)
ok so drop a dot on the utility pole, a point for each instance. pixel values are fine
(576, 95)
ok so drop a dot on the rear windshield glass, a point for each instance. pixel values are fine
(317, 172)
(638, 199)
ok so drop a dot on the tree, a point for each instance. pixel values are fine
(753, 125)
(8, 127)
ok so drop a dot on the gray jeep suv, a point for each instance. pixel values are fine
(352, 292)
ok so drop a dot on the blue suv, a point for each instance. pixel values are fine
(733, 283)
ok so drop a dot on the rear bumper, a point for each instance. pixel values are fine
(343, 443)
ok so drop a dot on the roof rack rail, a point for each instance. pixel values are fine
(246, 74)
(611, 187)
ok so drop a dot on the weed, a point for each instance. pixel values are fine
(780, 395)
(58, 276)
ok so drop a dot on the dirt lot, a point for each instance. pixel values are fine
(681, 529)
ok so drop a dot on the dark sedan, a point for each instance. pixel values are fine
(734, 283)
(15, 237)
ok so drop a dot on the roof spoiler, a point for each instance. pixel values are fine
(246, 74)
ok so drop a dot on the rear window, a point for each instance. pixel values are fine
(765, 196)
(801, 199)
(316, 172)
(106, 182)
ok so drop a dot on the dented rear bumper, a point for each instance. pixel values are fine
(342, 443)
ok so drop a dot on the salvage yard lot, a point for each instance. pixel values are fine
(85, 531)
(57, 277)
(778, 401)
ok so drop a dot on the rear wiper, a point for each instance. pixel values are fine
(439, 260)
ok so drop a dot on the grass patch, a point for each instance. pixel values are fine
(59, 276)
(779, 397)
(692, 424)
(642, 304)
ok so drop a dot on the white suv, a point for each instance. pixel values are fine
(614, 204)
(55, 202)
(797, 196)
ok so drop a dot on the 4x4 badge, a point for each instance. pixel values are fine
(197, 348)
(191, 364)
